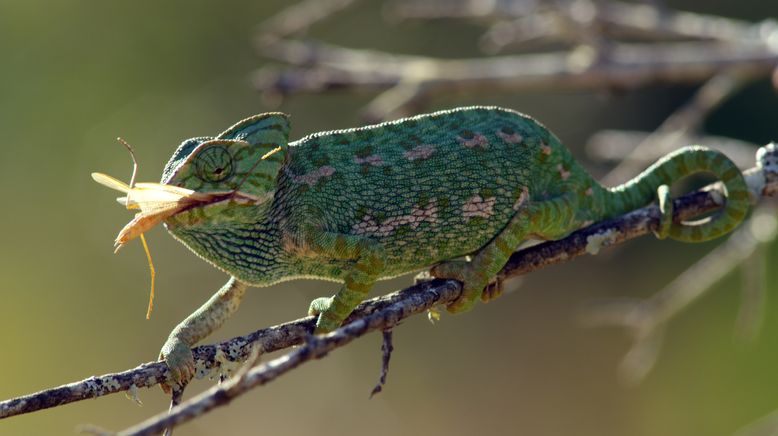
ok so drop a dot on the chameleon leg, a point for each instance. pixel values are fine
(550, 219)
(210, 316)
(369, 259)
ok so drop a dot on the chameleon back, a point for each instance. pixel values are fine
(426, 188)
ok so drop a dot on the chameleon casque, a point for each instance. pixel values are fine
(370, 203)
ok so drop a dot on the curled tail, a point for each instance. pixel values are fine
(644, 188)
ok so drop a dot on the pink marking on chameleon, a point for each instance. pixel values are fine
(478, 207)
(563, 173)
(478, 140)
(374, 160)
(545, 149)
(419, 152)
(369, 226)
(313, 177)
(513, 138)
(523, 197)
(589, 192)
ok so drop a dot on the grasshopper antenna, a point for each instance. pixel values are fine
(134, 161)
(152, 271)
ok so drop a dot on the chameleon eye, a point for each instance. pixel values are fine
(214, 164)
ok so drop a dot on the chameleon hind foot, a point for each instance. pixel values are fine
(492, 291)
(474, 284)
(180, 361)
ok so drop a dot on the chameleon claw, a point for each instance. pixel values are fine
(180, 361)
(492, 291)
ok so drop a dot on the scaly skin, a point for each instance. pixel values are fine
(365, 204)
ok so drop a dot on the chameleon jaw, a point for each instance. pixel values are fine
(145, 221)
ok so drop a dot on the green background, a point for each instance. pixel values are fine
(76, 74)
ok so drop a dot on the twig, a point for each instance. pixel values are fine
(386, 355)
(212, 358)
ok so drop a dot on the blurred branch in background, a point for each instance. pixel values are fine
(673, 47)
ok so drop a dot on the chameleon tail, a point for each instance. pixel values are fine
(644, 188)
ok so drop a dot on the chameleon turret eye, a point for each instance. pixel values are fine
(214, 164)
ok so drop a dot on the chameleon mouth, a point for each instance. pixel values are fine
(157, 202)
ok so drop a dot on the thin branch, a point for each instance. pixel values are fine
(224, 356)
(386, 355)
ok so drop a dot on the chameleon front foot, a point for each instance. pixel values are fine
(321, 307)
(180, 361)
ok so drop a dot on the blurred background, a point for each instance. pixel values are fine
(75, 75)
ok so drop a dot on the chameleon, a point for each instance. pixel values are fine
(456, 191)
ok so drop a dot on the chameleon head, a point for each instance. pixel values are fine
(237, 170)
(209, 179)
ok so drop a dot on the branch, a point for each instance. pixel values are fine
(384, 312)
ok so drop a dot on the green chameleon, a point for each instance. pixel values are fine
(370, 203)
